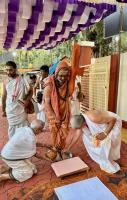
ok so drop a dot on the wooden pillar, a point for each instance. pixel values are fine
(85, 55)
(113, 83)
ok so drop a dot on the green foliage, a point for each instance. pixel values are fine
(36, 58)
(102, 45)
(105, 46)
(123, 41)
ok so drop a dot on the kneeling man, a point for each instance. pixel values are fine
(17, 152)
(101, 137)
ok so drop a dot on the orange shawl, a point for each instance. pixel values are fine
(76, 70)
(60, 107)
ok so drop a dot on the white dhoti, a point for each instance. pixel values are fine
(109, 149)
(17, 152)
(41, 115)
(75, 107)
(16, 115)
(21, 170)
(75, 103)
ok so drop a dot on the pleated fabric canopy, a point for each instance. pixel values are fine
(46, 23)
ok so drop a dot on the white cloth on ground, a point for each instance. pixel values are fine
(22, 170)
(21, 146)
(12, 129)
(109, 148)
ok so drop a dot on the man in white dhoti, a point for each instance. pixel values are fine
(101, 133)
(17, 152)
(38, 95)
(15, 88)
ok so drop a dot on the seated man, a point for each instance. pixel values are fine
(101, 137)
(17, 153)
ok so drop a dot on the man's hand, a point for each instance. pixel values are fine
(100, 136)
(25, 103)
(4, 114)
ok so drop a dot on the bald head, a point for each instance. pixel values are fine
(37, 125)
(77, 121)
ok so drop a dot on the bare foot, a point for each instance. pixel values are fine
(58, 158)
(66, 155)
(55, 159)
(3, 169)
(4, 177)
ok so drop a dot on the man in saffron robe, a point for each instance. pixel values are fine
(58, 90)
(56, 100)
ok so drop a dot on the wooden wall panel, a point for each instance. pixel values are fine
(113, 83)
(85, 55)
(124, 124)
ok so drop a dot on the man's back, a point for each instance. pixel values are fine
(101, 117)
(22, 145)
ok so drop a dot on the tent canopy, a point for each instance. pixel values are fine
(45, 23)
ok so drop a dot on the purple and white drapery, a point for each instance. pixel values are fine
(45, 23)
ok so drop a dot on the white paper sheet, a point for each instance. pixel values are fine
(90, 189)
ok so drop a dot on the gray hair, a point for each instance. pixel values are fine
(77, 121)
(35, 124)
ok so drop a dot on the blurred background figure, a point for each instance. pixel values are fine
(77, 98)
(38, 93)
(32, 78)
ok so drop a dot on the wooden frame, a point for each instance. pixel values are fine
(113, 85)
(124, 124)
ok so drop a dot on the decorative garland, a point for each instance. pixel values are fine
(113, 2)
(46, 23)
